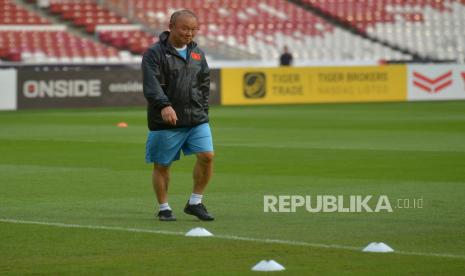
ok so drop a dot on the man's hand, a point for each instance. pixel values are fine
(169, 115)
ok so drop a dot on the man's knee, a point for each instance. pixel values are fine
(205, 157)
(161, 169)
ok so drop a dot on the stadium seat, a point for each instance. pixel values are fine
(134, 41)
(86, 14)
(49, 46)
(90, 15)
(13, 14)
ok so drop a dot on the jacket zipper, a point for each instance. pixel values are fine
(186, 63)
(188, 52)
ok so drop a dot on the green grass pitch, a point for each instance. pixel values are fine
(75, 167)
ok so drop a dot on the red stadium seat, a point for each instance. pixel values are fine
(87, 14)
(51, 44)
(135, 41)
(12, 14)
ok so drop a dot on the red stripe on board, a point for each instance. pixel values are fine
(430, 80)
(422, 86)
(443, 86)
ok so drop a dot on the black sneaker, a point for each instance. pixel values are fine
(166, 215)
(198, 210)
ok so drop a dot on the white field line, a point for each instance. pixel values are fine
(226, 237)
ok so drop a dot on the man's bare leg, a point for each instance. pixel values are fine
(160, 181)
(203, 170)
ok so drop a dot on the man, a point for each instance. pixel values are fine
(176, 81)
(286, 58)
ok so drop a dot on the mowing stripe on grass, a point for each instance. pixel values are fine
(226, 237)
(263, 145)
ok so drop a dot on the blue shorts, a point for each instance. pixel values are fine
(164, 146)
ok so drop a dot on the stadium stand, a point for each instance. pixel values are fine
(109, 27)
(136, 41)
(12, 14)
(314, 30)
(87, 14)
(432, 28)
(264, 27)
(36, 40)
(53, 46)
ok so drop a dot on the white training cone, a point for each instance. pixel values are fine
(378, 247)
(261, 266)
(275, 265)
(199, 232)
(270, 265)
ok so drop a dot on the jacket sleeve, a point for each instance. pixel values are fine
(151, 74)
(205, 81)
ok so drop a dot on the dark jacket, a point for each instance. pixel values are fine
(171, 80)
(285, 59)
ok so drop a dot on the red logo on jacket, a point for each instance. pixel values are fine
(195, 56)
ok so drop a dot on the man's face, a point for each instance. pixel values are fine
(184, 30)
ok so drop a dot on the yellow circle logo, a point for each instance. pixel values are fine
(254, 85)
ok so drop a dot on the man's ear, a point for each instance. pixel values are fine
(170, 26)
